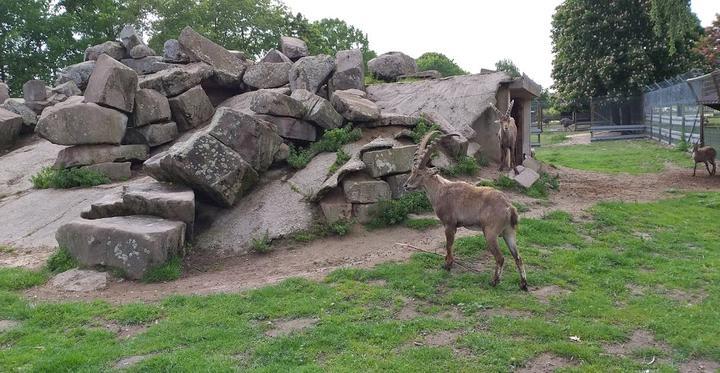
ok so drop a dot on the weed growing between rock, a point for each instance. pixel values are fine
(541, 189)
(61, 261)
(322, 230)
(340, 159)
(396, 211)
(50, 177)
(331, 141)
(465, 166)
(262, 245)
(421, 128)
(169, 271)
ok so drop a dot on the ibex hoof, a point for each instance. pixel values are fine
(494, 283)
(523, 286)
(448, 266)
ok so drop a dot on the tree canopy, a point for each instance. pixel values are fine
(709, 45)
(440, 62)
(508, 66)
(617, 47)
(38, 37)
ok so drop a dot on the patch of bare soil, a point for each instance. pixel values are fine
(452, 314)
(506, 312)
(640, 339)
(379, 283)
(635, 290)
(545, 363)
(30, 259)
(124, 331)
(409, 311)
(444, 338)
(685, 296)
(582, 138)
(8, 324)
(129, 361)
(700, 366)
(545, 294)
(285, 327)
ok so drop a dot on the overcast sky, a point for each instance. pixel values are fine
(474, 33)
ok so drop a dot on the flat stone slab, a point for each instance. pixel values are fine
(83, 155)
(18, 166)
(115, 171)
(526, 178)
(133, 244)
(80, 280)
(389, 161)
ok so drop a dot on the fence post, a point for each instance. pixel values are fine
(660, 128)
(682, 114)
(670, 129)
(651, 122)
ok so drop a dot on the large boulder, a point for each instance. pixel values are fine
(311, 72)
(115, 171)
(206, 165)
(228, 68)
(147, 65)
(141, 51)
(150, 107)
(354, 108)
(274, 55)
(4, 92)
(17, 106)
(389, 66)
(80, 280)
(112, 84)
(174, 53)
(391, 161)
(111, 48)
(83, 155)
(273, 103)
(10, 125)
(318, 110)
(79, 73)
(191, 108)
(65, 90)
(74, 122)
(35, 90)
(267, 74)
(174, 81)
(293, 48)
(133, 244)
(291, 128)
(349, 71)
(129, 38)
(361, 189)
(159, 133)
(254, 139)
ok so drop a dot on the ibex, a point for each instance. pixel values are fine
(705, 155)
(507, 136)
(459, 204)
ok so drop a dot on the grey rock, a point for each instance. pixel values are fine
(532, 164)
(107, 206)
(291, 128)
(141, 51)
(526, 178)
(73, 122)
(272, 103)
(276, 56)
(151, 106)
(67, 89)
(335, 207)
(308, 180)
(389, 161)
(129, 38)
(206, 165)
(17, 106)
(111, 48)
(282, 153)
(78, 73)
(35, 90)
(393, 119)
(349, 71)
(228, 68)
(318, 110)
(255, 140)
(240, 55)
(82, 155)
(311, 72)
(10, 125)
(159, 133)
(4, 92)
(174, 81)
(360, 189)
(80, 280)
(356, 92)
(397, 184)
(112, 84)
(389, 66)
(427, 74)
(173, 52)
(267, 74)
(293, 48)
(133, 244)
(456, 145)
(354, 108)
(147, 65)
(191, 108)
(113, 170)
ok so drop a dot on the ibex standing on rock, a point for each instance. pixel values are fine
(459, 204)
(507, 136)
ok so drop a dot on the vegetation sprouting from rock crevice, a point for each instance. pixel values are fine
(331, 141)
(396, 211)
(66, 178)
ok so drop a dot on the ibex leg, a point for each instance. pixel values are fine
(509, 237)
(449, 240)
(492, 245)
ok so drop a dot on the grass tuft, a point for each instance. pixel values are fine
(61, 261)
(421, 128)
(262, 244)
(422, 224)
(331, 141)
(322, 230)
(465, 166)
(169, 271)
(50, 177)
(392, 212)
(340, 159)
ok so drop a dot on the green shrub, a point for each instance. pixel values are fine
(682, 146)
(392, 212)
(482, 160)
(49, 177)
(331, 141)
(340, 159)
(421, 128)
(370, 80)
(299, 157)
(169, 271)
(262, 245)
(321, 230)
(422, 223)
(465, 166)
(61, 261)
(541, 188)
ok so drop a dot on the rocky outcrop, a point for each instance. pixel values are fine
(311, 72)
(274, 55)
(391, 161)
(78, 73)
(228, 69)
(129, 38)
(35, 90)
(74, 122)
(318, 110)
(141, 51)
(112, 84)
(389, 66)
(156, 134)
(17, 106)
(147, 65)
(92, 154)
(191, 108)
(173, 52)
(361, 189)
(267, 74)
(176, 80)
(80, 280)
(150, 107)
(111, 48)
(349, 71)
(293, 48)
(10, 125)
(114, 171)
(354, 108)
(4, 92)
(272, 103)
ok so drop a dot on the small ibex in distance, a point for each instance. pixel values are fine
(459, 204)
(507, 136)
(705, 155)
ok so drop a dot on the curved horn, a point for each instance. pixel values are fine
(428, 146)
(422, 147)
(499, 113)
(510, 105)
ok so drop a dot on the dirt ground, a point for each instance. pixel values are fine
(203, 274)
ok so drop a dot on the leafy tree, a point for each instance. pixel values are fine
(440, 62)
(508, 66)
(709, 45)
(330, 35)
(613, 47)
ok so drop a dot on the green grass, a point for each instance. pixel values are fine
(331, 141)
(262, 244)
(340, 159)
(66, 178)
(465, 166)
(322, 230)
(552, 138)
(357, 328)
(540, 189)
(169, 271)
(61, 261)
(421, 128)
(422, 224)
(395, 211)
(633, 157)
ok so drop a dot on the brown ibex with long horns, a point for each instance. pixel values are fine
(459, 204)
(507, 136)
